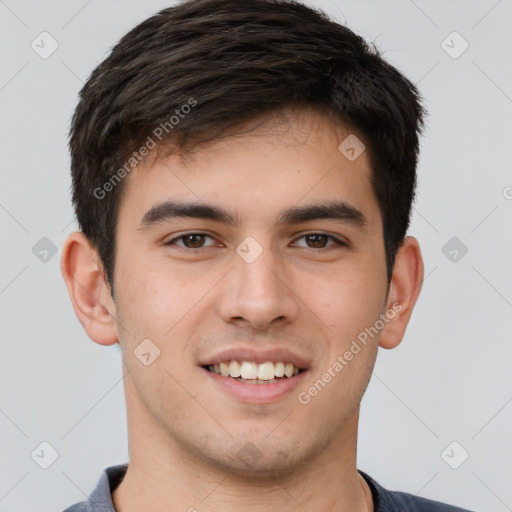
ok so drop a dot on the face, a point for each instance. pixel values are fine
(232, 255)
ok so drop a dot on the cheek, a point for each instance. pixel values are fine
(346, 304)
(155, 296)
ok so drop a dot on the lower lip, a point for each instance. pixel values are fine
(257, 393)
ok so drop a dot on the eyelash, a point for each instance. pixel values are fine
(337, 241)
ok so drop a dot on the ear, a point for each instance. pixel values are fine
(404, 289)
(88, 290)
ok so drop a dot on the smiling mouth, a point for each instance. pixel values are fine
(254, 373)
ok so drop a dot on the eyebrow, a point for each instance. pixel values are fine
(336, 210)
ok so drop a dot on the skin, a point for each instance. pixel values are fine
(184, 431)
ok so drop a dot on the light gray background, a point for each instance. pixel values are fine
(449, 380)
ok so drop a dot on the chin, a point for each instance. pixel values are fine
(262, 460)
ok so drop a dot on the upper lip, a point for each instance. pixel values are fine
(256, 356)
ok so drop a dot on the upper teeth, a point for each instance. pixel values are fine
(250, 370)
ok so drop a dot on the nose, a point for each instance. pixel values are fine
(258, 293)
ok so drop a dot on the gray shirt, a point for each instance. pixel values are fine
(100, 499)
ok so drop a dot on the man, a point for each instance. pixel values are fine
(243, 174)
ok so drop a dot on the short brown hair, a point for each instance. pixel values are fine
(238, 59)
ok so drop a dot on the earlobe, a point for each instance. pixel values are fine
(88, 291)
(405, 288)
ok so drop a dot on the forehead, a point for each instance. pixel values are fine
(269, 163)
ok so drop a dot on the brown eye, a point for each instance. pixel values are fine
(193, 241)
(319, 241)
(190, 241)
